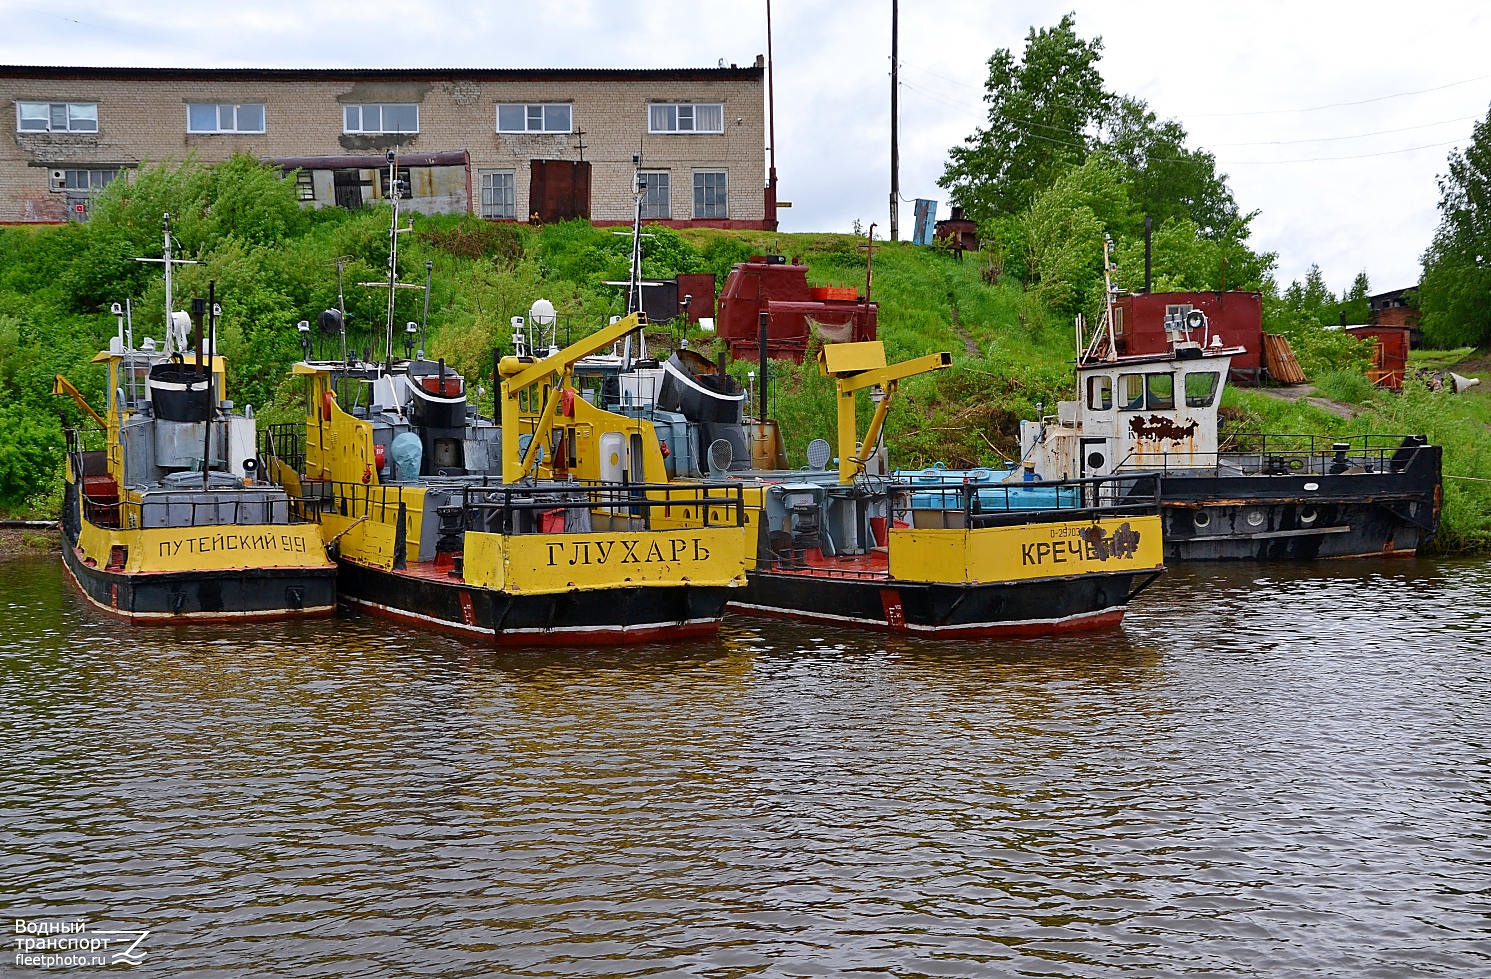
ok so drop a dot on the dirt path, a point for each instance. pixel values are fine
(1306, 392)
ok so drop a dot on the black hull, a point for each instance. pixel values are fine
(1001, 609)
(180, 597)
(1270, 518)
(621, 615)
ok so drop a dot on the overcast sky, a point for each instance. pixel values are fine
(1332, 119)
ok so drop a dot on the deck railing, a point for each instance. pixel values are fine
(1284, 454)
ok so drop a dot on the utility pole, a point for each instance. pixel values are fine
(895, 151)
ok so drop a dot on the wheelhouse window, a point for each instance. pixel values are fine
(1160, 391)
(710, 197)
(223, 117)
(1100, 392)
(1201, 388)
(686, 117)
(381, 117)
(656, 186)
(498, 194)
(57, 117)
(534, 118)
(1131, 392)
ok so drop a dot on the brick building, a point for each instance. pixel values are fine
(506, 144)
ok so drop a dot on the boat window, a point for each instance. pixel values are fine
(1201, 388)
(1100, 392)
(1131, 391)
(1161, 391)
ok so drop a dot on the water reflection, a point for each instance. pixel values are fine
(1267, 771)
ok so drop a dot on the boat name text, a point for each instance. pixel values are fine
(623, 551)
(210, 543)
(1089, 544)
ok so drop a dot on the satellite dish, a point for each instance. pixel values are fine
(720, 457)
(819, 452)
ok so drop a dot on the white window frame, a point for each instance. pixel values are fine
(538, 117)
(489, 189)
(724, 204)
(77, 117)
(79, 180)
(355, 117)
(227, 115)
(685, 117)
(656, 195)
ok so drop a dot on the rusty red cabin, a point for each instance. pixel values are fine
(1389, 353)
(769, 284)
(1235, 316)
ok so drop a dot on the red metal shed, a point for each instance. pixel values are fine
(795, 311)
(1237, 317)
(1389, 353)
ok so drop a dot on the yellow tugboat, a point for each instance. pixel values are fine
(443, 519)
(851, 546)
(165, 518)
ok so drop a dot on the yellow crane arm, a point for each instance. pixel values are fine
(62, 385)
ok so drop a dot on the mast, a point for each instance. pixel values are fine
(168, 261)
(895, 149)
(771, 126)
(393, 254)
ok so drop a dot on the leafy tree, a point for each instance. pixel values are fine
(1064, 228)
(1455, 294)
(1166, 178)
(1311, 299)
(1044, 112)
(1185, 260)
(29, 453)
(1356, 302)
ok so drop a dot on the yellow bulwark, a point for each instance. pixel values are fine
(212, 548)
(1027, 551)
(553, 563)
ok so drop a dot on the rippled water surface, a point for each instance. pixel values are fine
(1269, 771)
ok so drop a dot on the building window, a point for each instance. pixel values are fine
(305, 185)
(656, 186)
(87, 181)
(519, 118)
(686, 117)
(499, 197)
(381, 117)
(709, 194)
(213, 117)
(57, 117)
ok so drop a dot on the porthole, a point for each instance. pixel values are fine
(1201, 519)
(1308, 516)
(1095, 460)
(1254, 518)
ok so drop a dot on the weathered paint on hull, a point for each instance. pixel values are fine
(953, 611)
(581, 617)
(1302, 516)
(175, 598)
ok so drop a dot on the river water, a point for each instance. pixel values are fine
(1268, 771)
